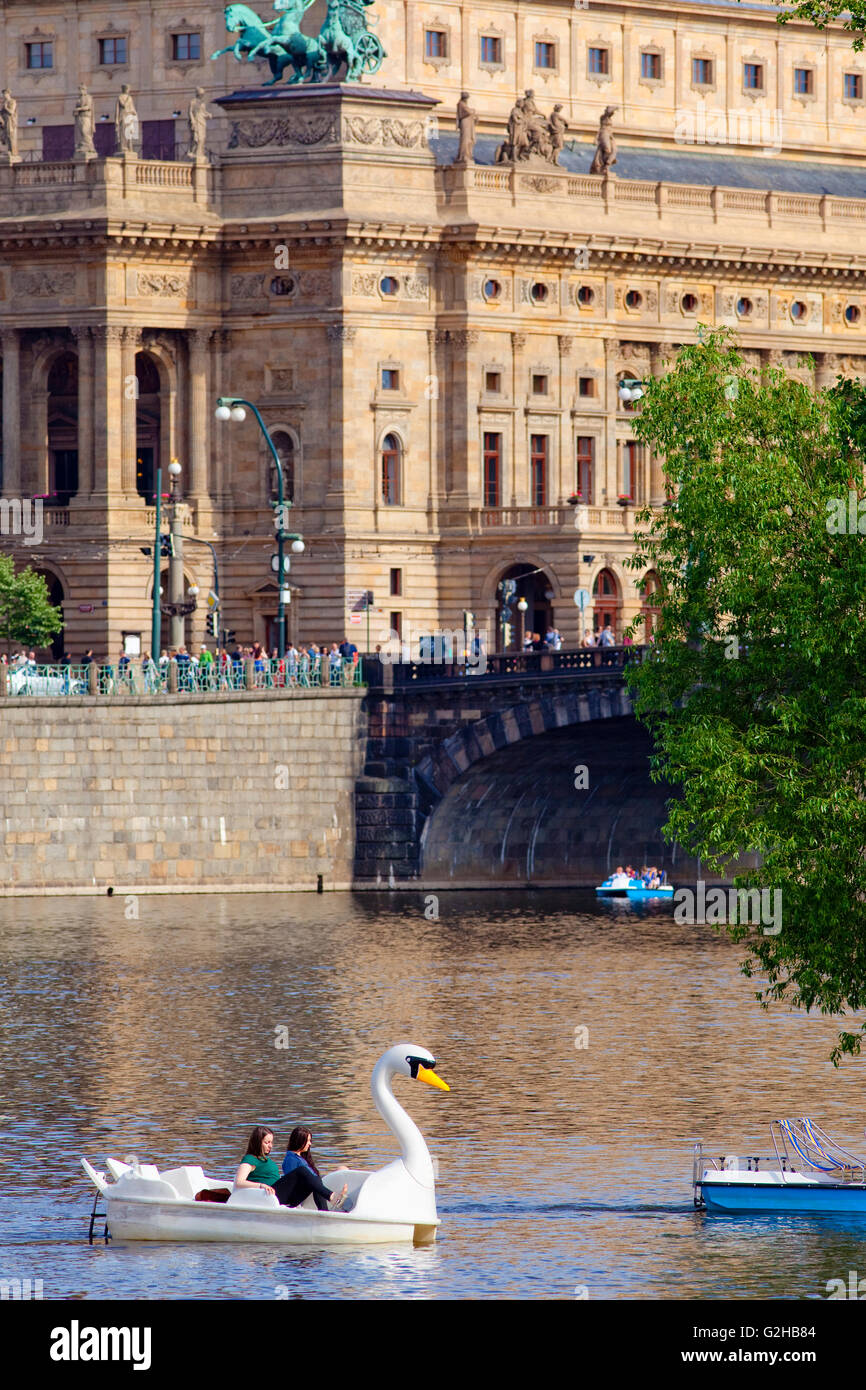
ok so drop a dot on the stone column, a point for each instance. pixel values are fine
(566, 470)
(84, 338)
(129, 405)
(827, 367)
(107, 397)
(462, 442)
(198, 340)
(339, 335)
(11, 412)
(222, 378)
(609, 470)
(518, 395)
(658, 353)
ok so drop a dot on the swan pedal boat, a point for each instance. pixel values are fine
(636, 891)
(809, 1175)
(394, 1203)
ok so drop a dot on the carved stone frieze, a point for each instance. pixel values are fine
(365, 283)
(385, 131)
(537, 183)
(340, 333)
(566, 343)
(416, 286)
(43, 284)
(165, 284)
(254, 134)
(247, 286)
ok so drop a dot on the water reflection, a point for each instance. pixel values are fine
(559, 1167)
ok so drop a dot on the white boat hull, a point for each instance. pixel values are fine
(288, 1226)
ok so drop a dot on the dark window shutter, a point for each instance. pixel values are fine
(58, 142)
(103, 138)
(157, 139)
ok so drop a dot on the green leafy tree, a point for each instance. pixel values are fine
(823, 13)
(756, 691)
(25, 612)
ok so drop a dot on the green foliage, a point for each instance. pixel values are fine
(25, 612)
(756, 695)
(822, 13)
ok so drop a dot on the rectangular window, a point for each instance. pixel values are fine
(586, 386)
(493, 382)
(397, 624)
(39, 55)
(538, 446)
(853, 86)
(585, 460)
(112, 51)
(539, 385)
(802, 82)
(436, 43)
(545, 55)
(702, 72)
(493, 470)
(651, 66)
(753, 77)
(631, 460)
(396, 583)
(491, 49)
(157, 140)
(599, 60)
(186, 48)
(390, 379)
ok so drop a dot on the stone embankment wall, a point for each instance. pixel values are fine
(180, 793)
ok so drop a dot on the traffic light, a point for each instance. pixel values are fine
(213, 623)
(166, 546)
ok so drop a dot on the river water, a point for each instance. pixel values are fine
(565, 1170)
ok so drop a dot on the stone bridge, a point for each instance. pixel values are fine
(535, 772)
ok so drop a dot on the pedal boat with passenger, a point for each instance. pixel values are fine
(394, 1203)
(809, 1174)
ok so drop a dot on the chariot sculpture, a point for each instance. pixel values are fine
(343, 38)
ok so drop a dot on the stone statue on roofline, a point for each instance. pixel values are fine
(605, 147)
(83, 117)
(529, 136)
(8, 127)
(197, 119)
(126, 127)
(466, 126)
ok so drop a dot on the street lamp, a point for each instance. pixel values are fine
(630, 389)
(522, 606)
(232, 408)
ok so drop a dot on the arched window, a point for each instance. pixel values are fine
(391, 453)
(606, 602)
(148, 425)
(63, 430)
(285, 447)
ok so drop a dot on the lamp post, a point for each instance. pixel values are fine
(522, 606)
(232, 408)
(630, 390)
(175, 563)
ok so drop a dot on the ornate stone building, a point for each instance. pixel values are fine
(436, 348)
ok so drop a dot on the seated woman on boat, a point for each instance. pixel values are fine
(620, 879)
(301, 1176)
(257, 1168)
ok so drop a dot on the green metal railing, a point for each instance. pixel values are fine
(143, 678)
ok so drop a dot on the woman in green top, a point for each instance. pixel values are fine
(257, 1168)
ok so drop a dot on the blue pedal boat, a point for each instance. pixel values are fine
(635, 890)
(810, 1174)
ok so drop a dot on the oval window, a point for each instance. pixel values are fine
(389, 285)
(492, 289)
(852, 313)
(283, 284)
(690, 303)
(585, 294)
(799, 311)
(744, 307)
(634, 299)
(539, 292)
